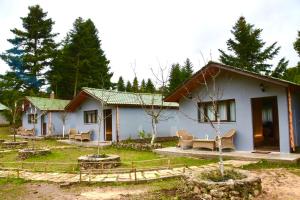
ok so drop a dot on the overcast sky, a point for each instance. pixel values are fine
(146, 33)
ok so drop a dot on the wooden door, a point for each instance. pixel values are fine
(107, 125)
(44, 125)
(258, 136)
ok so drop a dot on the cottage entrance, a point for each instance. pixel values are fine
(265, 123)
(44, 125)
(107, 125)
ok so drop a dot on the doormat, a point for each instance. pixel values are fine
(261, 152)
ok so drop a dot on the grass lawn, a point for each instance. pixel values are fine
(68, 157)
(271, 165)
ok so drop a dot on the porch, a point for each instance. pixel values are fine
(85, 143)
(233, 155)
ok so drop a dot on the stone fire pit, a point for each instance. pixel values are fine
(26, 153)
(245, 188)
(99, 161)
(12, 145)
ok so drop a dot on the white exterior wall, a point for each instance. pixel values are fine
(242, 89)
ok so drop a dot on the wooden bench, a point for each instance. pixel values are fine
(83, 136)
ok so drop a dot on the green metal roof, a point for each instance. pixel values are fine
(47, 103)
(128, 98)
(3, 107)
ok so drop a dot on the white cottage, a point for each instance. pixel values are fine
(123, 114)
(3, 120)
(45, 115)
(265, 111)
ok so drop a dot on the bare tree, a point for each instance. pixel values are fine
(153, 104)
(64, 116)
(210, 92)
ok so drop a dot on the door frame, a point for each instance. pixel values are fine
(275, 118)
(43, 132)
(105, 118)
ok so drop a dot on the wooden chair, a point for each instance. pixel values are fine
(227, 140)
(83, 136)
(72, 133)
(185, 139)
(20, 130)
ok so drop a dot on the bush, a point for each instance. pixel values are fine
(215, 175)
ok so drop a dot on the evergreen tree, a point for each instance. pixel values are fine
(81, 63)
(120, 84)
(297, 44)
(280, 69)
(135, 85)
(128, 87)
(33, 50)
(143, 86)
(150, 88)
(187, 69)
(175, 77)
(247, 49)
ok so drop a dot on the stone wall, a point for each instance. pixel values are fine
(246, 188)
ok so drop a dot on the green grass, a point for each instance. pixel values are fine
(263, 164)
(12, 188)
(69, 156)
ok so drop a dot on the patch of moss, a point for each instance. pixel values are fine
(216, 176)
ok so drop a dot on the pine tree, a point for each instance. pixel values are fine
(175, 77)
(280, 69)
(120, 84)
(33, 49)
(187, 69)
(135, 85)
(143, 86)
(247, 49)
(297, 44)
(150, 88)
(128, 87)
(82, 62)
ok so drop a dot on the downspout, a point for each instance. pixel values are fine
(290, 115)
(117, 123)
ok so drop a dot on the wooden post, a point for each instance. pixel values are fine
(135, 179)
(89, 175)
(291, 127)
(79, 175)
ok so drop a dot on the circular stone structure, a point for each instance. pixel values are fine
(245, 188)
(99, 161)
(26, 153)
(12, 145)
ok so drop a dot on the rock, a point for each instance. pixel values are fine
(234, 193)
(197, 190)
(206, 197)
(216, 193)
(256, 193)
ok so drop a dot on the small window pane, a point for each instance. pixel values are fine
(232, 111)
(222, 111)
(210, 113)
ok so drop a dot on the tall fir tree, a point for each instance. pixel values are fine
(34, 50)
(81, 63)
(297, 46)
(150, 88)
(128, 87)
(175, 77)
(121, 84)
(280, 69)
(143, 86)
(247, 50)
(135, 85)
(187, 69)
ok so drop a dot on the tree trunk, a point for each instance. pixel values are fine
(154, 131)
(63, 130)
(219, 141)
(76, 77)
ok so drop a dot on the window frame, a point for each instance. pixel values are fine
(204, 105)
(32, 118)
(94, 116)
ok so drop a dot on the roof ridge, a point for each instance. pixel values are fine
(46, 98)
(125, 92)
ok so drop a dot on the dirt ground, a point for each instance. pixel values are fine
(278, 184)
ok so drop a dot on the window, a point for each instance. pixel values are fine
(32, 118)
(90, 117)
(225, 110)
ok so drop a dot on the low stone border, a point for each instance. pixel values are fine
(138, 146)
(26, 153)
(246, 188)
(12, 145)
(89, 162)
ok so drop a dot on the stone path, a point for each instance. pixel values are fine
(115, 177)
